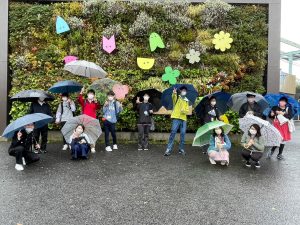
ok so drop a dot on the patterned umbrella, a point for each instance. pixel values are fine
(238, 99)
(91, 125)
(270, 134)
(204, 132)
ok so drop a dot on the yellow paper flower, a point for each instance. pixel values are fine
(222, 41)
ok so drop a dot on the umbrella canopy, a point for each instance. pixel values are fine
(39, 120)
(104, 85)
(203, 133)
(66, 86)
(273, 100)
(166, 98)
(85, 68)
(155, 98)
(271, 135)
(92, 127)
(238, 99)
(222, 99)
(31, 96)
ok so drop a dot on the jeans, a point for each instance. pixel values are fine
(176, 124)
(79, 150)
(43, 131)
(110, 127)
(143, 130)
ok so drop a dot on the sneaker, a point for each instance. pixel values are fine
(93, 150)
(212, 161)
(108, 149)
(270, 153)
(65, 147)
(167, 153)
(37, 151)
(204, 152)
(248, 164)
(140, 149)
(280, 157)
(44, 151)
(223, 163)
(146, 149)
(257, 165)
(19, 167)
(23, 161)
(182, 152)
(115, 147)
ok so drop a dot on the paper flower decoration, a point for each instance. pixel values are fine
(120, 91)
(145, 63)
(70, 58)
(109, 45)
(155, 41)
(193, 56)
(222, 41)
(61, 25)
(170, 75)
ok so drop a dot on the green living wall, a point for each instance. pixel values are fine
(36, 52)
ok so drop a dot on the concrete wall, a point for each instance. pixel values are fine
(273, 67)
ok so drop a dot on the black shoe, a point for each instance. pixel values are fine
(44, 151)
(248, 164)
(279, 156)
(257, 165)
(204, 152)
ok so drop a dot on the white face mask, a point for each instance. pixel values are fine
(90, 96)
(213, 103)
(110, 98)
(41, 99)
(64, 99)
(252, 131)
(251, 100)
(183, 93)
(218, 131)
(28, 130)
(146, 98)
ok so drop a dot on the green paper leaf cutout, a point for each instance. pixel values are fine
(170, 75)
(155, 41)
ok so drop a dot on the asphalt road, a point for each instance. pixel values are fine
(131, 187)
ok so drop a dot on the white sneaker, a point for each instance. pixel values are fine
(65, 147)
(212, 161)
(223, 163)
(19, 167)
(23, 161)
(146, 149)
(93, 150)
(108, 149)
(115, 147)
(140, 149)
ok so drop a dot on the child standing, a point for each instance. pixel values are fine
(111, 111)
(89, 106)
(65, 111)
(145, 110)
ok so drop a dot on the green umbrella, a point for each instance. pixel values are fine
(203, 133)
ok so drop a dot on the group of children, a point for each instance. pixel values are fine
(218, 151)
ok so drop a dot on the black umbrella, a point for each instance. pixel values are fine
(31, 96)
(155, 98)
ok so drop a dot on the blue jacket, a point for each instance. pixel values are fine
(213, 147)
(110, 112)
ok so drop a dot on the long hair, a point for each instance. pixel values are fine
(214, 132)
(80, 125)
(257, 128)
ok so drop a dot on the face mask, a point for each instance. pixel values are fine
(146, 98)
(218, 131)
(183, 93)
(251, 100)
(64, 99)
(28, 130)
(282, 103)
(252, 131)
(110, 98)
(90, 96)
(213, 103)
(41, 99)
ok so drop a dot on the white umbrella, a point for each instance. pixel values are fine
(271, 135)
(85, 68)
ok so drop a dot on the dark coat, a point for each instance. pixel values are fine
(35, 107)
(207, 117)
(142, 107)
(27, 140)
(287, 112)
(255, 108)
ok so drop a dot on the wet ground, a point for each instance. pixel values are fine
(130, 187)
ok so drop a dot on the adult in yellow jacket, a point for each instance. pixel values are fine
(179, 116)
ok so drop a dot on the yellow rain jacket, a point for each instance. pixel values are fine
(180, 107)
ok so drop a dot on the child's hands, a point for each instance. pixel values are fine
(19, 135)
(174, 91)
(138, 100)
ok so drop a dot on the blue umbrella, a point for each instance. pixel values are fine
(166, 97)
(39, 120)
(66, 86)
(273, 100)
(221, 97)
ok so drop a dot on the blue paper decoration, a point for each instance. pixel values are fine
(61, 25)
